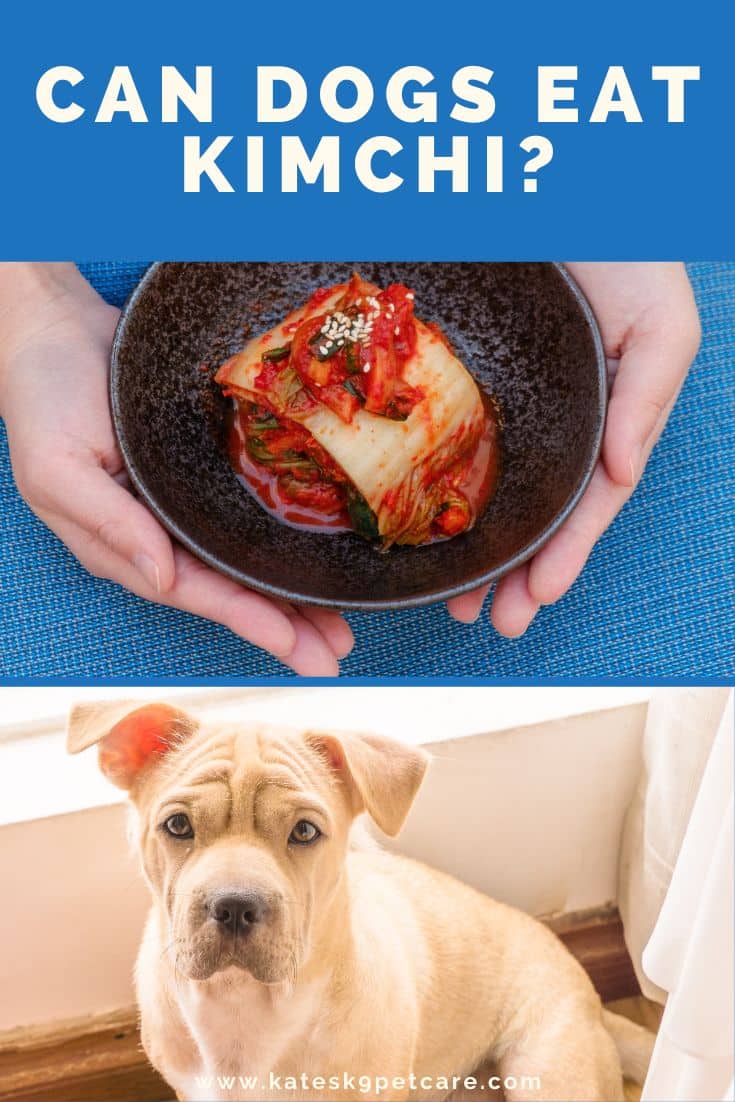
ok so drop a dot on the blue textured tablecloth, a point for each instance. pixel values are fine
(655, 600)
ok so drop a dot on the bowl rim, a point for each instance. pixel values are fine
(418, 600)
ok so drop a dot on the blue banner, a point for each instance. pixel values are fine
(406, 131)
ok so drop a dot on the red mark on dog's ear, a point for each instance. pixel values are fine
(142, 735)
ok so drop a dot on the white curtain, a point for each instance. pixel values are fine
(682, 826)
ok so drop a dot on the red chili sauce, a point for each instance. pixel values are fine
(348, 359)
(316, 505)
(478, 477)
(316, 499)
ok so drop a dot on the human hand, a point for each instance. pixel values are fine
(650, 331)
(55, 338)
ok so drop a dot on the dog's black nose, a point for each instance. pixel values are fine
(238, 912)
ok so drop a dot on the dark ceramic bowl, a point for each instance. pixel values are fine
(524, 331)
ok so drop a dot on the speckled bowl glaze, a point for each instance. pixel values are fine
(525, 332)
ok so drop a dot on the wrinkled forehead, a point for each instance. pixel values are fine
(246, 757)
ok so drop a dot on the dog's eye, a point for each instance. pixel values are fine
(304, 832)
(179, 826)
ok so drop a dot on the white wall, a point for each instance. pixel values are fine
(73, 906)
(531, 814)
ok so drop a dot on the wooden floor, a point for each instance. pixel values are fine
(97, 1060)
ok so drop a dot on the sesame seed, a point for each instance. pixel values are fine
(410, 296)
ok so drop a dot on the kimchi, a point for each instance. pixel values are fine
(355, 414)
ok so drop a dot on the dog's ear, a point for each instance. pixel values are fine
(130, 735)
(382, 776)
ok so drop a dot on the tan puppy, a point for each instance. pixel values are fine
(281, 960)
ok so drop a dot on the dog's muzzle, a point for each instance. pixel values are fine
(230, 926)
(237, 913)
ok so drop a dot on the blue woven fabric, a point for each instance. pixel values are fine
(655, 600)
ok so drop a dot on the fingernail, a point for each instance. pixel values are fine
(148, 570)
(467, 620)
(635, 463)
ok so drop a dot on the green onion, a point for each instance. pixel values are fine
(332, 350)
(300, 464)
(319, 341)
(352, 389)
(352, 362)
(266, 423)
(291, 456)
(275, 355)
(362, 517)
(258, 450)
